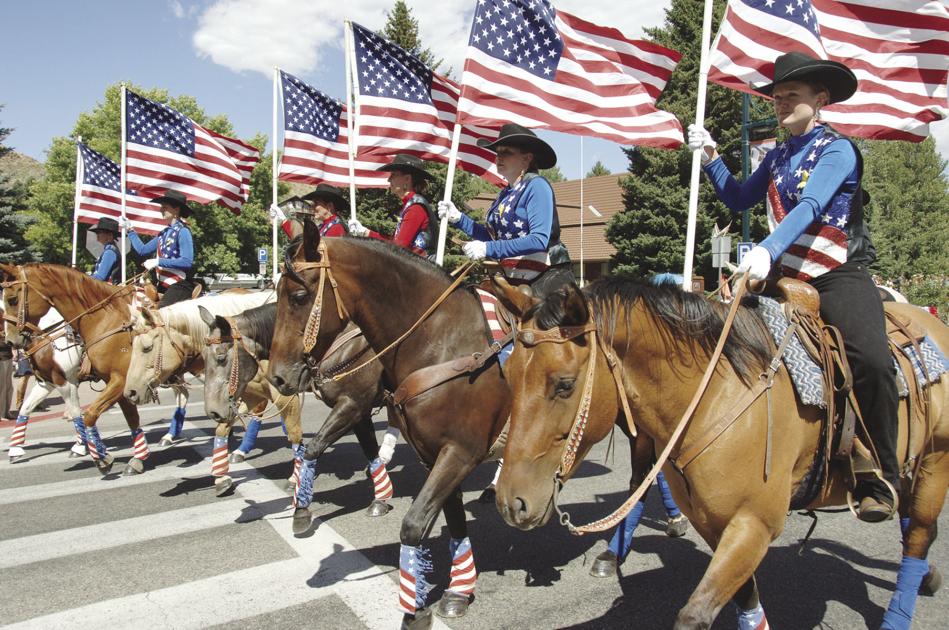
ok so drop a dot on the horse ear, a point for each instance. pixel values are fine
(513, 298)
(206, 316)
(575, 311)
(9, 271)
(311, 240)
(148, 316)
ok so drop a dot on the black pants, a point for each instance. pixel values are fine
(850, 301)
(178, 292)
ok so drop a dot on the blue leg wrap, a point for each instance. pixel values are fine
(904, 524)
(80, 428)
(92, 435)
(672, 510)
(899, 614)
(250, 437)
(22, 419)
(304, 492)
(177, 422)
(415, 563)
(623, 537)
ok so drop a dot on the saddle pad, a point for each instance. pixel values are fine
(806, 374)
(489, 304)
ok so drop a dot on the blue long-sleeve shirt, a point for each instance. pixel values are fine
(836, 169)
(524, 229)
(185, 243)
(106, 263)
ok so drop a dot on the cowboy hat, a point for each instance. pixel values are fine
(106, 224)
(325, 192)
(407, 164)
(796, 66)
(514, 135)
(175, 198)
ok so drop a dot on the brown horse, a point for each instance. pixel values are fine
(662, 339)
(451, 427)
(99, 312)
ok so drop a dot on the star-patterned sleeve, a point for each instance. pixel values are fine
(739, 196)
(185, 259)
(837, 166)
(473, 229)
(142, 249)
(534, 237)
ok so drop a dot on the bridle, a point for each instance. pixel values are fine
(236, 339)
(21, 320)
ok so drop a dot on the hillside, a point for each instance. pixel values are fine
(20, 167)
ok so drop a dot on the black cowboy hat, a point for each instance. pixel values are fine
(175, 198)
(514, 135)
(840, 82)
(106, 224)
(328, 193)
(407, 164)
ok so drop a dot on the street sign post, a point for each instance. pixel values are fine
(262, 255)
(721, 251)
(743, 248)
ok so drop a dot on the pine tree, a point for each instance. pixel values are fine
(598, 170)
(402, 29)
(13, 223)
(553, 174)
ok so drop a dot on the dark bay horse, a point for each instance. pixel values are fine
(384, 290)
(246, 338)
(662, 339)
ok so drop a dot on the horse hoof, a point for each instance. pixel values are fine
(378, 508)
(421, 620)
(166, 440)
(237, 457)
(105, 464)
(135, 466)
(677, 526)
(605, 565)
(931, 583)
(16, 453)
(222, 485)
(488, 495)
(77, 451)
(301, 521)
(452, 605)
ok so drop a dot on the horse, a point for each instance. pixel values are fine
(238, 350)
(170, 341)
(451, 426)
(100, 313)
(660, 340)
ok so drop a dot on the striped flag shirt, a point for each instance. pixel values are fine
(403, 107)
(534, 65)
(315, 140)
(100, 195)
(166, 150)
(898, 49)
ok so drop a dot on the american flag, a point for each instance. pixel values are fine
(899, 50)
(167, 150)
(100, 195)
(403, 107)
(315, 140)
(531, 64)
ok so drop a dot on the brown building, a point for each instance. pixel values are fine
(603, 193)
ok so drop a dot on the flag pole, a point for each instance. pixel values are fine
(75, 212)
(449, 184)
(697, 154)
(275, 219)
(581, 210)
(350, 115)
(122, 177)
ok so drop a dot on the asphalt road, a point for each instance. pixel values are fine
(161, 551)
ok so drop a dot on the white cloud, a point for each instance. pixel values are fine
(257, 35)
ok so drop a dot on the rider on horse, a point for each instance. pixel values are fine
(327, 204)
(415, 230)
(174, 246)
(815, 210)
(107, 266)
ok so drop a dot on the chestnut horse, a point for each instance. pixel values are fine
(238, 351)
(662, 340)
(384, 290)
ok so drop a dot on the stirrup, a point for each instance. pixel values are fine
(894, 508)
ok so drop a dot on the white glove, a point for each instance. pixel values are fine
(475, 250)
(757, 263)
(125, 224)
(700, 138)
(277, 213)
(357, 229)
(448, 209)
(150, 264)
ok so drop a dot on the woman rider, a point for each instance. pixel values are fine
(815, 210)
(107, 266)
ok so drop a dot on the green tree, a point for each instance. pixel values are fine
(598, 170)
(13, 223)
(553, 174)
(649, 234)
(402, 29)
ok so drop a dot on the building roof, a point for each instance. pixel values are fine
(603, 193)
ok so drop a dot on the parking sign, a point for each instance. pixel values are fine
(743, 248)
(262, 255)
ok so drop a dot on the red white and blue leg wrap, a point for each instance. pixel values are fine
(95, 444)
(463, 571)
(139, 444)
(381, 484)
(219, 465)
(753, 619)
(414, 565)
(80, 427)
(19, 431)
(305, 472)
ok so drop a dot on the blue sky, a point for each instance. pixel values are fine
(59, 56)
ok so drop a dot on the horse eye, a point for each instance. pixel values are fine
(221, 359)
(12, 301)
(299, 297)
(564, 387)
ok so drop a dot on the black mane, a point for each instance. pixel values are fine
(258, 324)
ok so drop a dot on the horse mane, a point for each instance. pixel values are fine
(185, 318)
(85, 288)
(258, 324)
(681, 315)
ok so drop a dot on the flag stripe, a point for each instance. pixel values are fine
(100, 196)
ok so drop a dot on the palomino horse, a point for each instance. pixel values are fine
(661, 340)
(99, 312)
(170, 341)
(384, 290)
(238, 351)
